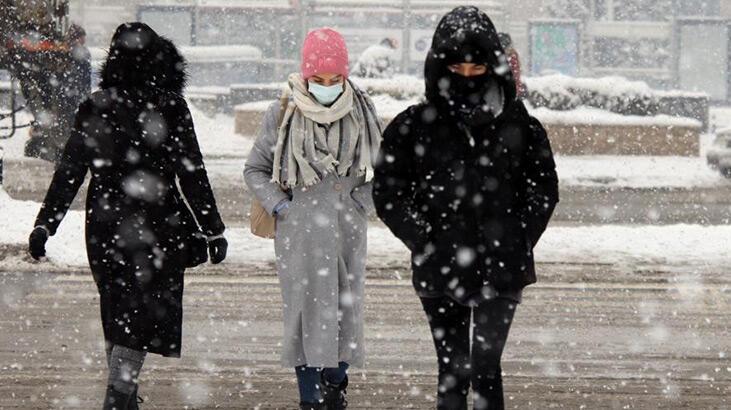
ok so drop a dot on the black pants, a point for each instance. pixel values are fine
(458, 364)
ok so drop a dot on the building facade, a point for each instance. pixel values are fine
(638, 39)
(648, 40)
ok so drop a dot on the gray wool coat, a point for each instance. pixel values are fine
(320, 246)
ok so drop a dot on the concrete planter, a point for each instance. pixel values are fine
(248, 117)
(652, 140)
(688, 106)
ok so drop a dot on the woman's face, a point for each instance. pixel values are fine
(468, 69)
(327, 79)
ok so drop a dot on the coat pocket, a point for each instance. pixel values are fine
(362, 196)
(281, 218)
(359, 207)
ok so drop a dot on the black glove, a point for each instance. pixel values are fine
(37, 243)
(217, 249)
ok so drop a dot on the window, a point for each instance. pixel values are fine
(653, 10)
(697, 7)
(643, 10)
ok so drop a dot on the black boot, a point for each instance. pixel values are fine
(334, 394)
(493, 398)
(498, 397)
(135, 401)
(313, 406)
(453, 401)
(115, 400)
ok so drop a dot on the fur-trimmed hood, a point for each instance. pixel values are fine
(140, 58)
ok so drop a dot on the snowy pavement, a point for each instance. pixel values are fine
(583, 345)
(630, 315)
(597, 197)
(639, 172)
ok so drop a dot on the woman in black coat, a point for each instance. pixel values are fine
(136, 138)
(467, 181)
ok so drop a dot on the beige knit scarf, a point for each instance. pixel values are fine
(350, 139)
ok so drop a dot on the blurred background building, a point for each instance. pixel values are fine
(667, 43)
(650, 40)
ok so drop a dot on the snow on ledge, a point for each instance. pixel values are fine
(262, 106)
(596, 116)
(202, 54)
(610, 86)
(210, 54)
(207, 90)
(405, 86)
(387, 107)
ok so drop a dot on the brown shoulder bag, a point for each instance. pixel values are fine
(263, 225)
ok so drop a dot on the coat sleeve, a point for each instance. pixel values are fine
(259, 164)
(193, 177)
(541, 182)
(394, 187)
(67, 178)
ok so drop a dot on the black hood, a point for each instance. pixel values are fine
(465, 34)
(140, 58)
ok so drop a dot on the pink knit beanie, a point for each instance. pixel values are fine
(324, 51)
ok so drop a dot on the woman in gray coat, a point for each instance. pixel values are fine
(311, 168)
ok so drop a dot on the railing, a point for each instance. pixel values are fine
(11, 114)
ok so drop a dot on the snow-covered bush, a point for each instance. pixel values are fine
(377, 61)
(615, 94)
(551, 92)
(400, 87)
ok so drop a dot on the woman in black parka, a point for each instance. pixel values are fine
(136, 138)
(467, 181)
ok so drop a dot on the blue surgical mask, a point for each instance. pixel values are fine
(325, 95)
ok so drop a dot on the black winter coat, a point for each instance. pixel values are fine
(136, 139)
(469, 202)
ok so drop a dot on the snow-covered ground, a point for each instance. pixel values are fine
(65, 248)
(637, 172)
(215, 135)
(13, 146)
(720, 117)
(686, 245)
